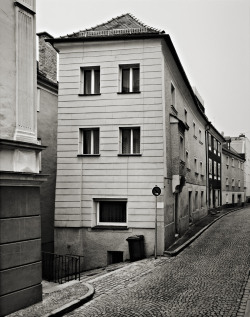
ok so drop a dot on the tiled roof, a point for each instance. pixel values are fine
(125, 24)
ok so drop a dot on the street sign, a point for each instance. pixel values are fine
(156, 191)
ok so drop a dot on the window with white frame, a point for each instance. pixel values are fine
(239, 183)
(112, 212)
(238, 164)
(89, 141)
(218, 165)
(233, 182)
(215, 170)
(129, 78)
(173, 95)
(209, 142)
(227, 181)
(90, 80)
(210, 168)
(130, 140)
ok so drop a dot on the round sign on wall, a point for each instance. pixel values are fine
(156, 191)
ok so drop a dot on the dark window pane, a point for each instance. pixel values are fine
(126, 141)
(87, 142)
(87, 82)
(125, 80)
(97, 81)
(96, 141)
(136, 79)
(136, 140)
(112, 211)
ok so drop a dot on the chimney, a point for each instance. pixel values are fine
(47, 57)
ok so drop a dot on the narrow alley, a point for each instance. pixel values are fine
(206, 279)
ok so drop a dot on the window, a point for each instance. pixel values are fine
(130, 140)
(215, 170)
(210, 167)
(90, 80)
(173, 95)
(218, 171)
(226, 198)
(185, 115)
(195, 166)
(187, 160)
(194, 129)
(129, 78)
(209, 142)
(215, 146)
(202, 199)
(232, 162)
(239, 183)
(242, 166)
(227, 160)
(238, 164)
(199, 135)
(181, 148)
(196, 200)
(233, 182)
(89, 141)
(112, 213)
(227, 181)
(201, 168)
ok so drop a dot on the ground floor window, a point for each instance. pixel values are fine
(112, 213)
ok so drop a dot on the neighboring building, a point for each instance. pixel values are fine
(47, 99)
(232, 175)
(20, 223)
(128, 120)
(242, 145)
(214, 168)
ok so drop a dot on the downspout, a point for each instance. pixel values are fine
(207, 165)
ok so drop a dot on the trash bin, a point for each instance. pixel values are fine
(136, 247)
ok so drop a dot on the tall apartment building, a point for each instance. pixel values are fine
(128, 120)
(20, 223)
(233, 191)
(242, 145)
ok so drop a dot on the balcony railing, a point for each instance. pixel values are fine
(61, 268)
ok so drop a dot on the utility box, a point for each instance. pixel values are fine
(136, 247)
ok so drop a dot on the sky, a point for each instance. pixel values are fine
(211, 37)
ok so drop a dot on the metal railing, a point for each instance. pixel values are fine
(61, 268)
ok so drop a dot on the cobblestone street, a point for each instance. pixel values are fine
(206, 279)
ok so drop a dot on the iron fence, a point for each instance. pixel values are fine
(61, 268)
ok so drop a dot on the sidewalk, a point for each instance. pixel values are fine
(59, 299)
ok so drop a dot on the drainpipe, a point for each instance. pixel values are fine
(207, 164)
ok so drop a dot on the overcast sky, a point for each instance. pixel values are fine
(211, 37)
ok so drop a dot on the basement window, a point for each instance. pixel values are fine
(115, 257)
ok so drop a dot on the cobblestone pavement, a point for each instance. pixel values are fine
(206, 279)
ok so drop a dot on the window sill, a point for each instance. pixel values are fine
(128, 154)
(201, 142)
(110, 227)
(128, 93)
(196, 173)
(89, 95)
(195, 137)
(80, 155)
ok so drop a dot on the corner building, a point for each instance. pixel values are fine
(128, 120)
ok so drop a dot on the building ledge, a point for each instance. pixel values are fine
(13, 144)
(110, 228)
(22, 179)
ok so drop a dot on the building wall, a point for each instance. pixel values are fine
(81, 179)
(47, 133)
(242, 145)
(20, 234)
(194, 143)
(232, 172)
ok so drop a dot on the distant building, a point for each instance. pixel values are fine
(128, 120)
(20, 221)
(47, 99)
(233, 192)
(242, 145)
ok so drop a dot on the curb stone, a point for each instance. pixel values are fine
(73, 304)
(188, 242)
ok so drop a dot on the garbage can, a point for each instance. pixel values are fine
(136, 247)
